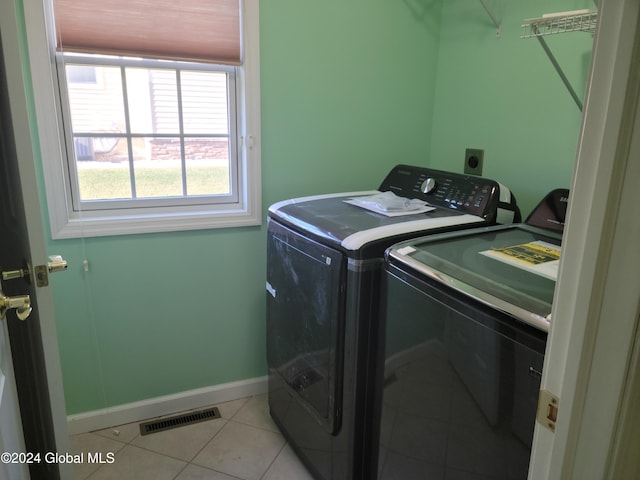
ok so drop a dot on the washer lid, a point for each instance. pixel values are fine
(352, 227)
(512, 268)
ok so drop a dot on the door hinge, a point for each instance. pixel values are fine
(548, 409)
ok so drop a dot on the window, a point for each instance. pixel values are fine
(148, 142)
(152, 132)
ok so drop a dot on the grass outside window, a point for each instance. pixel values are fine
(112, 181)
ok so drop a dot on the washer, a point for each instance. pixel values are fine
(324, 265)
(464, 330)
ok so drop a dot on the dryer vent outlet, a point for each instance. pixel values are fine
(473, 161)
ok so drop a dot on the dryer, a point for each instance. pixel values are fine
(464, 331)
(324, 265)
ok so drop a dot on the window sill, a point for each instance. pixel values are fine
(88, 224)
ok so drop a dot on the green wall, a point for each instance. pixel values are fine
(349, 88)
(504, 96)
(347, 91)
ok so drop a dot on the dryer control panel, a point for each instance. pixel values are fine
(466, 193)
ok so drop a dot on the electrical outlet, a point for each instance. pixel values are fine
(473, 161)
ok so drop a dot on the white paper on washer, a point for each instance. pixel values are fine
(390, 204)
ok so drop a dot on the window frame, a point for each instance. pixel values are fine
(69, 222)
(146, 202)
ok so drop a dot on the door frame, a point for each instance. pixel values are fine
(15, 59)
(590, 355)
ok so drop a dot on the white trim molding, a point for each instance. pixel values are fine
(165, 405)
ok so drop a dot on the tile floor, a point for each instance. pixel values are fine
(244, 444)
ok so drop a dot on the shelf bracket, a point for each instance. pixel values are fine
(557, 67)
(557, 23)
(493, 18)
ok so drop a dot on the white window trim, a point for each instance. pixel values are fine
(66, 223)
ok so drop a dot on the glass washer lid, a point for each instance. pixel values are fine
(515, 265)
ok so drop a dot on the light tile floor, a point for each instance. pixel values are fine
(243, 444)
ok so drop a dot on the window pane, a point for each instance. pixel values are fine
(207, 162)
(204, 102)
(99, 179)
(158, 167)
(81, 74)
(153, 101)
(97, 107)
(139, 100)
(177, 142)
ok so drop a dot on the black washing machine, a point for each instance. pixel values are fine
(464, 329)
(324, 267)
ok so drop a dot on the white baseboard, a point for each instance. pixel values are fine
(165, 405)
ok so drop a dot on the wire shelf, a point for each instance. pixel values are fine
(554, 24)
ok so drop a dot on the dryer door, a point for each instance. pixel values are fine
(305, 305)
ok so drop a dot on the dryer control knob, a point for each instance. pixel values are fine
(429, 185)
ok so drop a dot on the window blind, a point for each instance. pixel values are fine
(188, 30)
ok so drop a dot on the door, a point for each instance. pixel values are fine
(11, 439)
(591, 345)
(23, 355)
(11, 436)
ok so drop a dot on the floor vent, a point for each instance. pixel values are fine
(181, 420)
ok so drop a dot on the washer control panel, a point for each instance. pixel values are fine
(466, 193)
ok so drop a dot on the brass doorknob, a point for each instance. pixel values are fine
(21, 303)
